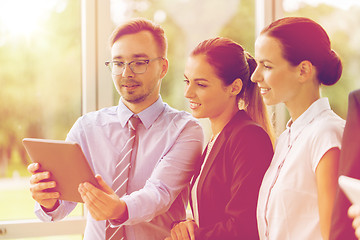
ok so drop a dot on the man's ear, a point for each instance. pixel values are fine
(236, 87)
(165, 67)
(306, 70)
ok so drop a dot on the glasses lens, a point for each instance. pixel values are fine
(139, 66)
(117, 67)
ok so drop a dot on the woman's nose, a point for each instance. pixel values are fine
(256, 76)
(188, 91)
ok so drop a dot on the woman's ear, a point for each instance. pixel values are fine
(306, 70)
(236, 87)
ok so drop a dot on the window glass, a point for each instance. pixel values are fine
(340, 20)
(40, 94)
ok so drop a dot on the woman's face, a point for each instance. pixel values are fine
(207, 94)
(275, 76)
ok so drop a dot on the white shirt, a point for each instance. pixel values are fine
(288, 205)
(170, 142)
(194, 188)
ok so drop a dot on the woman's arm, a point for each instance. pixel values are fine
(326, 178)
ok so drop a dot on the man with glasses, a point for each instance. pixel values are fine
(167, 143)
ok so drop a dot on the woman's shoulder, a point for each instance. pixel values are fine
(327, 122)
(246, 130)
(243, 123)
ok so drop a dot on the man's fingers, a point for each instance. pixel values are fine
(48, 195)
(38, 177)
(33, 167)
(42, 186)
(96, 207)
(103, 184)
(94, 197)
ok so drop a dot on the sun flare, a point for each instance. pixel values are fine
(24, 17)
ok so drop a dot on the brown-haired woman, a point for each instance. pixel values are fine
(297, 194)
(225, 188)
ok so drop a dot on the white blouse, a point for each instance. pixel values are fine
(287, 204)
(194, 188)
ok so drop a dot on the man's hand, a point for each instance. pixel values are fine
(183, 231)
(40, 188)
(103, 204)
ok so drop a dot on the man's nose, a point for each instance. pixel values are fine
(127, 72)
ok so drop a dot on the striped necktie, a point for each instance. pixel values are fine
(122, 168)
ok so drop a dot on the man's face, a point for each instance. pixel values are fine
(138, 90)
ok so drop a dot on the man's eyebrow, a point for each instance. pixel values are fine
(134, 56)
(141, 55)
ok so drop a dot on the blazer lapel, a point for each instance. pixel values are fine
(237, 120)
(209, 162)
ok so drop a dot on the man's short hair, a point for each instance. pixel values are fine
(140, 24)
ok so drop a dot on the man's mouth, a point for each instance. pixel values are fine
(130, 86)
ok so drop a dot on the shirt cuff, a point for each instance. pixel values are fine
(59, 213)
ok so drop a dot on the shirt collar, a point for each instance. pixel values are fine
(147, 116)
(315, 109)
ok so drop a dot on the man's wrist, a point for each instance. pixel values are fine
(122, 213)
(56, 205)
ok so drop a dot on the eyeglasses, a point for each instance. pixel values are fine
(136, 66)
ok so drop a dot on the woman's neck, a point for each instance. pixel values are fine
(297, 107)
(219, 122)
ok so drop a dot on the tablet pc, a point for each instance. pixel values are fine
(66, 163)
(351, 188)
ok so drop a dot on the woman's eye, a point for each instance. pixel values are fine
(201, 85)
(267, 67)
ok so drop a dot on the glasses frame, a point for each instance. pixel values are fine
(109, 64)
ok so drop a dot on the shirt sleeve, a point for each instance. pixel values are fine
(327, 135)
(170, 176)
(59, 213)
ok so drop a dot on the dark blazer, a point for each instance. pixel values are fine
(341, 228)
(229, 184)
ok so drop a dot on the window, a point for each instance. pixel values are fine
(40, 94)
